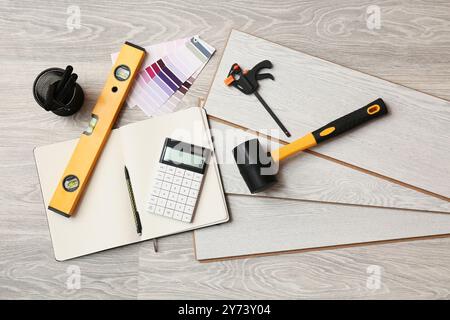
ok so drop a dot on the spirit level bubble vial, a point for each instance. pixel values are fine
(90, 145)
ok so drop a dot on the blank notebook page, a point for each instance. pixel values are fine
(104, 218)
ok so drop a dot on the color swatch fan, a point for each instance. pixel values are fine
(167, 73)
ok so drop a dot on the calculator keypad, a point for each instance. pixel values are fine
(174, 193)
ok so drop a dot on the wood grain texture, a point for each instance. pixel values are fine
(417, 269)
(411, 48)
(309, 92)
(308, 177)
(264, 225)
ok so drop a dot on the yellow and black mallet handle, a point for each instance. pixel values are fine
(371, 111)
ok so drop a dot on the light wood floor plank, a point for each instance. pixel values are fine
(309, 177)
(411, 48)
(309, 92)
(264, 225)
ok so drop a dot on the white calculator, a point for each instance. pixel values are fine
(178, 180)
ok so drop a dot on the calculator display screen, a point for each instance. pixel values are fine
(189, 159)
(185, 155)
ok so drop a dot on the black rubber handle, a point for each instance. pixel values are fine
(373, 110)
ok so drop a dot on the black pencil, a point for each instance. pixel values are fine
(137, 219)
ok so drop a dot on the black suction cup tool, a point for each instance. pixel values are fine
(56, 90)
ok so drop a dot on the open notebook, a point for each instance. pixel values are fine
(104, 218)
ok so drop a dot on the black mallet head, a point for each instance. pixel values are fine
(255, 165)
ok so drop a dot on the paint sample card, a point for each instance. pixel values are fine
(167, 73)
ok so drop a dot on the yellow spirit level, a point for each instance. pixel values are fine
(91, 143)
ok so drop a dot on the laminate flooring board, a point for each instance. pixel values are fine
(410, 48)
(408, 270)
(265, 225)
(410, 144)
(309, 177)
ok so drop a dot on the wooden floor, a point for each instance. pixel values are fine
(410, 48)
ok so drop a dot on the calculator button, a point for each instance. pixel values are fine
(174, 192)
(186, 183)
(164, 194)
(179, 207)
(168, 177)
(191, 201)
(159, 210)
(188, 209)
(187, 217)
(153, 200)
(173, 196)
(182, 199)
(168, 213)
(165, 186)
(170, 169)
(178, 215)
(184, 191)
(162, 202)
(157, 184)
(170, 204)
(193, 193)
(160, 175)
(195, 185)
(179, 172)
